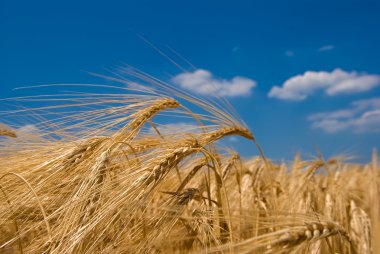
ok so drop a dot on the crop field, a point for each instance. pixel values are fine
(113, 173)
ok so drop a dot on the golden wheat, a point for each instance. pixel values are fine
(107, 184)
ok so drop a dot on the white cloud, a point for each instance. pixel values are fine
(289, 53)
(233, 139)
(333, 83)
(326, 48)
(172, 128)
(29, 128)
(361, 116)
(203, 82)
(369, 103)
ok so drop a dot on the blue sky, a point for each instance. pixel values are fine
(322, 57)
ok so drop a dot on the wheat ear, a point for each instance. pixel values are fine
(6, 132)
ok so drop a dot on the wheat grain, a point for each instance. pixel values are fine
(7, 132)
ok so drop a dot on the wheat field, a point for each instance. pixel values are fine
(99, 175)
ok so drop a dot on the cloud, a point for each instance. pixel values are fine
(361, 116)
(289, 53)
(29, 128)
(203, 82)
(326, 48)
(338, 81)
(233, 139)
(171, 128)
